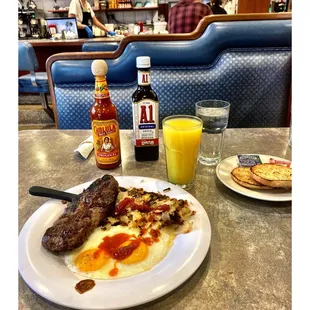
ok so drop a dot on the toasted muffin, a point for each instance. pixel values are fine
(242, 176)
(272, 175)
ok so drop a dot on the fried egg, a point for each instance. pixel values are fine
(118, 252)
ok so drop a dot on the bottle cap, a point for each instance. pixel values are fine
(99, 67)
(143, 62)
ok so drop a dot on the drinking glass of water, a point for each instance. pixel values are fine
(214, 115)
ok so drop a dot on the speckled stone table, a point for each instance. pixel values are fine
(248, 265)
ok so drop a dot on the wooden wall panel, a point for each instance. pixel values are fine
(253, 6)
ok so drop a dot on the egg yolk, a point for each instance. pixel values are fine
(138, 255)
(91, 260)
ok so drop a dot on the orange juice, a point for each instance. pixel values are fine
(182, 135)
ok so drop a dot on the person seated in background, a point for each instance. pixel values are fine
(186, 15)
(85, 18)
(216, 7)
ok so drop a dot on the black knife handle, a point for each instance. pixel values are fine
(51, 193)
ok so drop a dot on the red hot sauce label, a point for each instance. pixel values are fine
(106, 141)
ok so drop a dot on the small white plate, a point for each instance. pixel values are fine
(48, 276)
(225, 167)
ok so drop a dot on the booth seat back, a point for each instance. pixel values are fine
(247, 63)
(32, 82)
(99, 46)
(27, 59)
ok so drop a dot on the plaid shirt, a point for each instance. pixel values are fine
(185, 16)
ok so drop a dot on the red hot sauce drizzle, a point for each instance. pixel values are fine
(112, 247)
(128, 202)
(114, 272)
(125, 251)
(111, 244)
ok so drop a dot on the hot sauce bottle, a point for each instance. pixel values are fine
(104, 121)
(145, 114)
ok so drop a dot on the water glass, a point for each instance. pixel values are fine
(182, 134)
(214, 115)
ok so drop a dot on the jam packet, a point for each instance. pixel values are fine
(280, 162)
(248, 160)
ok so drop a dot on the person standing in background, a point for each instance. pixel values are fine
(85, 18)
(186, 15)
(216, 7)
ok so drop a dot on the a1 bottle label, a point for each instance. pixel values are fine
(106, 141)
(145, 121)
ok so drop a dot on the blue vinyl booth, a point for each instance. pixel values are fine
(32, 82)
(244, 59)
(99, 46)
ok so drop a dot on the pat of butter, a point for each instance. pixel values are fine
(248, 160)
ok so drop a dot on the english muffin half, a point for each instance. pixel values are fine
(242, 176)
(272, 175)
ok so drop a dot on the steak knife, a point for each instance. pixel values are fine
(52, 193)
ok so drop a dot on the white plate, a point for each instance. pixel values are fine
(48, 276)
(225, 167)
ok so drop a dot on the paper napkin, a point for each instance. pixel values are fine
(86, 147)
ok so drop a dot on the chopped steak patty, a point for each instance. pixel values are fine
(82, 216)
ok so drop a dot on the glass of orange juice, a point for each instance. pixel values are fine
(182, 134)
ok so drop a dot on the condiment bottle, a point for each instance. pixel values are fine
(141, 26)
(104, 121)
(52, 29)
(145, 114)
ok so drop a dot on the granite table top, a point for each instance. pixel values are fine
(248, 265)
